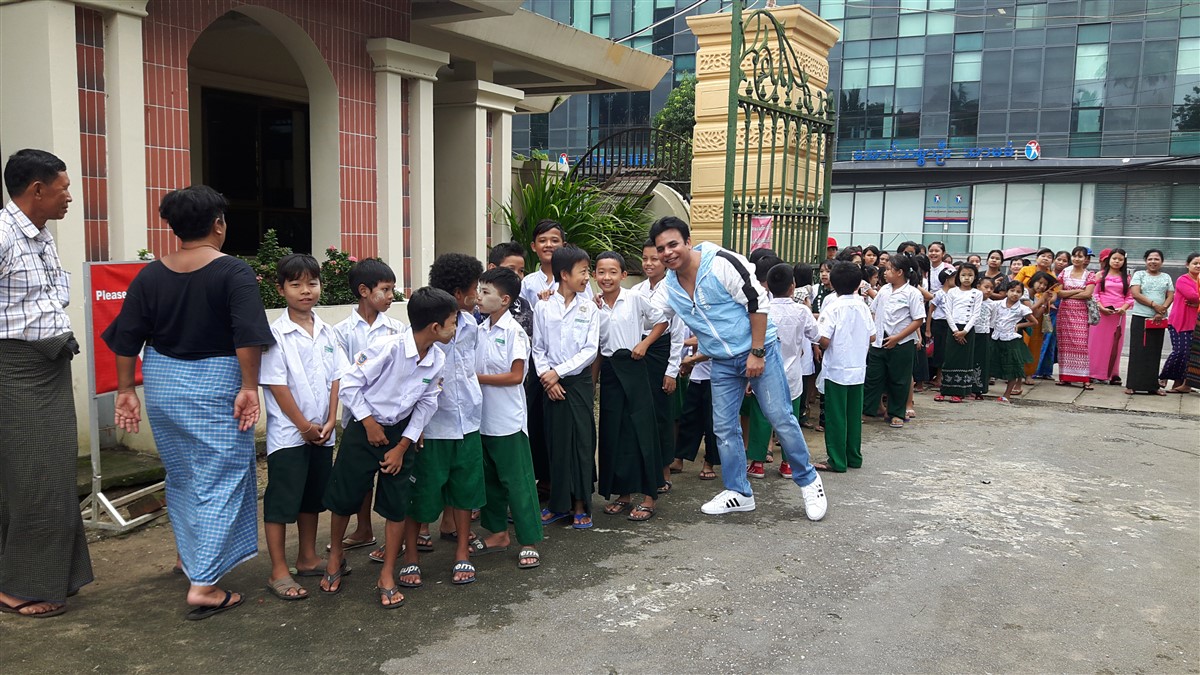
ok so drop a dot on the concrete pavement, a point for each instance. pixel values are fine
(982, 537)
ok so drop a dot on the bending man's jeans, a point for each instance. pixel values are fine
(771, 389)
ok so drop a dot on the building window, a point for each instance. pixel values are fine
(1091, 70)
(1031, 16)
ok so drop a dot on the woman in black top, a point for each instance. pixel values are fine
(198, 314)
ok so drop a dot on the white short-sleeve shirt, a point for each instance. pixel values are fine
(1005, 319)
(894, 309)
(797, 329)
(308, 365)
(566, 338)
(504, 411)
(847, 324)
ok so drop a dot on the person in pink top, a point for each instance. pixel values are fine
(1106, 338)
(1180, 324)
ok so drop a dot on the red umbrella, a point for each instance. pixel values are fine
(1017, 252)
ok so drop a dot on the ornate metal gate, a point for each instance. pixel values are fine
(779, 156)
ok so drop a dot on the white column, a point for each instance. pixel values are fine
(460, 135)
(40, 109)
(399, 64)
(126, 122)
(501, 173)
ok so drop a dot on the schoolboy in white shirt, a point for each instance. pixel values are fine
(391, 392)
(299, 376)
(449, 474)
(662, 362)
(508, 479)
(566, 338)
(374, 284)
(846, 331)
(796, 327)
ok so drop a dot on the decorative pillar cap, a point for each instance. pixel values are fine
(406, 59)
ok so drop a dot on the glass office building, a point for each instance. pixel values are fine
(983, 123)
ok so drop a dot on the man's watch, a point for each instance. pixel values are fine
(760, 352)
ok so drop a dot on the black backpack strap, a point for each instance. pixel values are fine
(747, 284)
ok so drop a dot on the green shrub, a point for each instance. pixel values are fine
(335, 273)
(593, 220)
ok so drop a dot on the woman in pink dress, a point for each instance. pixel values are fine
(1106, 338)
(1078, 284)
(1181, 325)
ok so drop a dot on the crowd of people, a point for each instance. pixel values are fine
(481, 407)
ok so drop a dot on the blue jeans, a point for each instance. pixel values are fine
(771, 389)
(1049, 353)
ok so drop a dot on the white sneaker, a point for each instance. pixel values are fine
(815, 504)
(728, 501)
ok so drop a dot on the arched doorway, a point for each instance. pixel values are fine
(263, 129)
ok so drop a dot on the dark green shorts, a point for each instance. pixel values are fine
(356, 468)
(296, 480)
(450, 473)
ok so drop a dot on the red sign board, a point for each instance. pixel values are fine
(106, 295)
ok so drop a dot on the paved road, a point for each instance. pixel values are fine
(1027, 538)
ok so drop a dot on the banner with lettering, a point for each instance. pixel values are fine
(106, 294)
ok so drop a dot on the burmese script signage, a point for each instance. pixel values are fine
(939, 155)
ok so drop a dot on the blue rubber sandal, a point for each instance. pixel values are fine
(549, 516)
(408, 571)
(578, 521)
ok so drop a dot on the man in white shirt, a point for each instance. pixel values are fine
(45, 557)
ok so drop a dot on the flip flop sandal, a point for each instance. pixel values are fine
(528, 553)
(641, 508)
(620, 508)
(665, 489)
(822, 466)
(474, 515)
(202, 613)
(280, 587)
(478, 547)
(956, 399)
(549, 516)
(349, 544)
(425, 543)
(578, 524)
(674, 470)
(910, 414)
(939, 398)
(344, 570)
(377, 554)
(391, 594)
(770, 458)
(450, 536)
(708, 475)
(464, 566)
(44, 615)
(896, 423)
(330, 580)
(409, 571)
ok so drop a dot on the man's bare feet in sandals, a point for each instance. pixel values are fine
(676, 466)
(12, 605)
(209, 596)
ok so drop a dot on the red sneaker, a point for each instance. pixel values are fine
(755, 470)
(785, 469)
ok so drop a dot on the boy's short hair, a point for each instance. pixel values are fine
(566, 258)
(759, 253)
(763, 265)
(454, 272)
(649, 244)
(612, 255)
(370, 272)
(802, 273)
(944, 275)
(845, 277)
(545, 225)
(669, 223)
(430, 305)
(504, 250)
(779, 279)
(504, 280)
(297, 266)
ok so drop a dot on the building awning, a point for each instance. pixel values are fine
(543, 57)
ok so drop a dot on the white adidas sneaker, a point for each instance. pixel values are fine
(815, 504)
(728, 501)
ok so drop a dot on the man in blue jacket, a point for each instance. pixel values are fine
(715, 293)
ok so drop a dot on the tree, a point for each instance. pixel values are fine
(1187, 116)
(678, 115)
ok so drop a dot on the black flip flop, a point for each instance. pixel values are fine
(478, 547)
(44, 615)
(202, 613)
(391, 594)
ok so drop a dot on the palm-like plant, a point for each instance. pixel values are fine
(592, 220)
